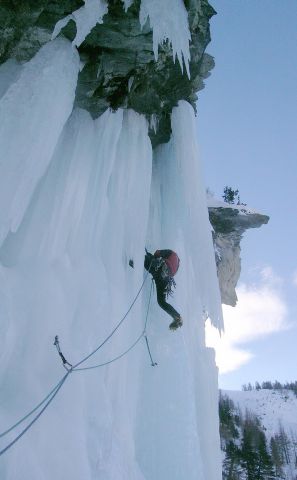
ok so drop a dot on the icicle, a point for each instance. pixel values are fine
(169, 21)
(130, 83)
(68, 274)
(154, 122)
(85, 17)
(9, 73)
(33, 112)
(185, 407)
(196, 223)
(127, 3)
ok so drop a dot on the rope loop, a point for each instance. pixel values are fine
(71, 368)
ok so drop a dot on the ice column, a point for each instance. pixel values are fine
(33, 112)
(66, 271)
(178, 428)
(86, 17)
(169, 21)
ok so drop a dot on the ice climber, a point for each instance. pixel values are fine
(163, 265)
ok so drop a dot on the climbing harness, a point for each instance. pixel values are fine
(170, 285)
(70, 368)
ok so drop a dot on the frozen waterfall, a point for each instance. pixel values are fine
(80, 198)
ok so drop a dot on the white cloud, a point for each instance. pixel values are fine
(270, 278)
(295, 278)
(260, 311)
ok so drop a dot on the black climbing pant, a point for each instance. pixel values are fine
(161, 298)
(151, 264)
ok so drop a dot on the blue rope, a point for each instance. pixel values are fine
(113, 360)
(32, 411)
(130, 348)
(116, 327)
(37, 416)
(51, 395)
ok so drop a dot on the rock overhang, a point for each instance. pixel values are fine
(119, 66)
(229, 222)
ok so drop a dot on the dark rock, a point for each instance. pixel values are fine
(227, 219)
(26, 25)
(229, 225)
(120, 70)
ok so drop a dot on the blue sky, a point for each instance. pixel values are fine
(247, 133)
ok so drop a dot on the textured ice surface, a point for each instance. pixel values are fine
(186, 198)
(181, 394)
(86, 17)
(67, 272)
(83, 197)
(127, 3)
(169, 21)
(9, 73)
(33, 112)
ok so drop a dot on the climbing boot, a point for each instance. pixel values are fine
(177, 322)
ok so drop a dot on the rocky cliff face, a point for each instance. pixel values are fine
(229, 223)
(120, 68)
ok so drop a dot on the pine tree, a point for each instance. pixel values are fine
(294, 446)
(229, 421)
(230, 195)
(284, 443)
(228, 428)
(231, 464)
(255, 458)
(265, 468)
(248, 455)
(277, 385)
(267, 385)
(243, 440)
(277, 457)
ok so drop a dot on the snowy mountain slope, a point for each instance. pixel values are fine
(271, 406)
(267, 414)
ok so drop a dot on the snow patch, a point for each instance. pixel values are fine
(214, 202)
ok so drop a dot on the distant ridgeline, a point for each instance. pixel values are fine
(122, 64)
(253, 448)
(268, 385)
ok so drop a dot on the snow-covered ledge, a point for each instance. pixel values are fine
(229, 222)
